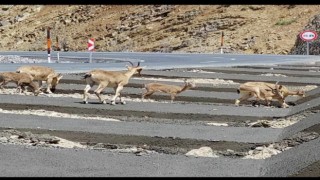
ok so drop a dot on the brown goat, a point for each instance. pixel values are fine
(115, 79)
(21, 80)
(42, 73)
(266, 91)
(173, 90)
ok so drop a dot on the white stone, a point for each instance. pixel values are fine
(3, 139)
(218, 124)
(201, 152)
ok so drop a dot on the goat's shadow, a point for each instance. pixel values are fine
(108, 103)
(273, 103)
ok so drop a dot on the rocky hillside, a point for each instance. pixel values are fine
(248, 29)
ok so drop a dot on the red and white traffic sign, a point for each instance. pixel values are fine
(91, 44)
(308, 35)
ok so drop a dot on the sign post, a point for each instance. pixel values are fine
(308, 36)
(222, 34)
(90, 48)
(58, 49)
(48, 44)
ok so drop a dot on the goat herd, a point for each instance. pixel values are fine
(26, 76)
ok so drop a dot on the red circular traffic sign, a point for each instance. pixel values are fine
(308, 35)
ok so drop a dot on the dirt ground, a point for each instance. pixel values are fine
(248, 29)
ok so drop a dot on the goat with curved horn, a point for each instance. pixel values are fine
(115, 79)
(266, 91)
(276, 90)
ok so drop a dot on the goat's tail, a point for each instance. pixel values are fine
(238, 91)
(86, 75)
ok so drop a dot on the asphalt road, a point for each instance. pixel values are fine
(88, 163)
(152, 60)
(18, 160)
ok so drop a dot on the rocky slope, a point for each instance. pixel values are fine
(248, 29)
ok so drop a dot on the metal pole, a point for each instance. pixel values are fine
(222, 34)
(48, 44)
(307, 47)
(90, 57)
(58, 60)
(58, 49)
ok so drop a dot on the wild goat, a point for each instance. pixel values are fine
(173, 90)
(21, 80)
(42, 73)
(114, 79)
(266, 91)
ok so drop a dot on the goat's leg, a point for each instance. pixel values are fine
(257, 94)
(117, 94)
(267, 102)
(86, 94)
(256, 100)
(173, 96)
(147, 94)
(22, 88)
(2, 84)
(283, 103)
(40, 83)
(243, 97)
(19, 88)
(100, 88)
(49, 81)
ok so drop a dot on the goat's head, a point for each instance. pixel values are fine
(278, 90)
(136, 68)
(190, 84)
(55, 81)
(37, 91)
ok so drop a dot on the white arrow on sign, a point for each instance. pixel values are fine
(90, 44)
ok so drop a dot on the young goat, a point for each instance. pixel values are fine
(266, 91)
(173, 90)
(42, 73)
(114, 79)
(21, 80)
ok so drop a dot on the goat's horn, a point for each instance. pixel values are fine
(276, 86)
(138, 64)
(277, 89)
(130, 63)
